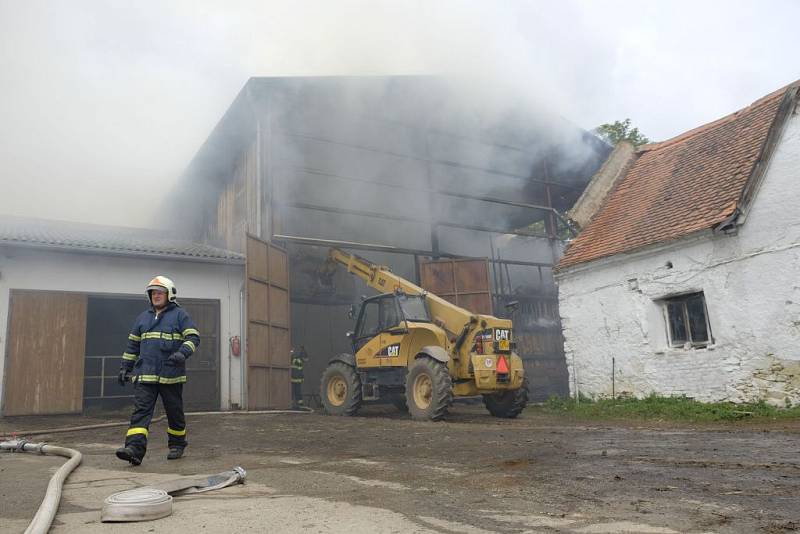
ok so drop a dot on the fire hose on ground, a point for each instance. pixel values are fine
(155, 502)
(47, 510)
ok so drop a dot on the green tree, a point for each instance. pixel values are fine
(621, 131)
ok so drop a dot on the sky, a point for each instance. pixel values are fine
(104, 103)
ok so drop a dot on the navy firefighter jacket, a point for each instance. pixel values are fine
(154, 338)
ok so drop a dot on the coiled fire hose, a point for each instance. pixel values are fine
(155, 502)
(47, 510)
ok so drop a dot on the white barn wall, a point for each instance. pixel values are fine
(27, 268)
(751, 283)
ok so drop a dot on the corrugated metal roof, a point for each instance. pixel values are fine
(116, 240)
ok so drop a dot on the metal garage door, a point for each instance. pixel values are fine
(201, 391)
(44, 363)
(268, 340)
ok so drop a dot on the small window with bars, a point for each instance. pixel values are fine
(687, 321)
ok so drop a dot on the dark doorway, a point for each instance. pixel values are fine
(108, 322)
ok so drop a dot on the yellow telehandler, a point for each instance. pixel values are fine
(419, 351)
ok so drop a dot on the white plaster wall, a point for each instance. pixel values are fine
(751, 283)
(25, 268)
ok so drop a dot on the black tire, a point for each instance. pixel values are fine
(508, 404)
(429, 389)
(340, 389)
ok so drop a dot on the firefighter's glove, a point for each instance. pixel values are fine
(177, 358)
(124, 376)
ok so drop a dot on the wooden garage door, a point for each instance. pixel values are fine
(46, 344)
(465, 283)
(268, 343)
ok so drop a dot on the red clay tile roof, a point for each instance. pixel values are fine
(689, 183)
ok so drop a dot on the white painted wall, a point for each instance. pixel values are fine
(26, 268)
(751, 283)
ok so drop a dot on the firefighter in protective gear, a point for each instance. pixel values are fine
(299, 358)
(160, 341)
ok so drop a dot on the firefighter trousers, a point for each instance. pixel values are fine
(297, 393)
(144, 403)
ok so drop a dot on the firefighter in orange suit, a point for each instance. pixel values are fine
(161, 340)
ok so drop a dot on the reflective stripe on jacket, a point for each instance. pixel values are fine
(297, 370)
(154, 338)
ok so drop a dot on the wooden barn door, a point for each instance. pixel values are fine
(465, 283)
(268, 343)
(46, 346)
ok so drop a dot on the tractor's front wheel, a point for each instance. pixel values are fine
(508, 404)
(429, 389)
(340, 389)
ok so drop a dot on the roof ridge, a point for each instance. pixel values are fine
(718, 122)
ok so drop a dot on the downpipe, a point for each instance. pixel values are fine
(47, 510)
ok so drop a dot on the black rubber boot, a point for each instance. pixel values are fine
(175, 453)
(124, 453)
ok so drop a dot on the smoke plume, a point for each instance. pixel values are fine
(103, 104)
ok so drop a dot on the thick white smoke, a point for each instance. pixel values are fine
(102, 104)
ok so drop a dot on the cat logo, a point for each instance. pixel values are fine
(390, 351)
(502, 334)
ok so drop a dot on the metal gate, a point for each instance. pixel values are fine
(268, 339)
(44, 363)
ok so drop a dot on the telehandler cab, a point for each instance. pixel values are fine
(419, 351)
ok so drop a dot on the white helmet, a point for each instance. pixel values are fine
(163, 283)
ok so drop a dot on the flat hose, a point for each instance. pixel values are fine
(47, 510)
(40, 432)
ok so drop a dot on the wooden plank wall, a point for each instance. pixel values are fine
(465, 283)
(268, 338)
(237, 205)
(47, 343)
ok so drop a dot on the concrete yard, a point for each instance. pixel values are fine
(381, 472)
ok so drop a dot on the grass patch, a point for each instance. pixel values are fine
(655, 407)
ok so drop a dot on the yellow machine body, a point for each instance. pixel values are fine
(472, 345)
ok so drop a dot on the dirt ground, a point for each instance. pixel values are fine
(381, 472)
